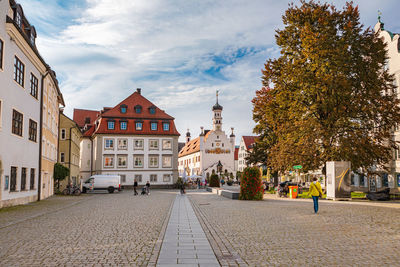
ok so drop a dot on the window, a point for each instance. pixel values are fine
(1, 53)
(122, 161)
(139, 125)
(13, 179)
(138, 143)
(166, 126)
(23, 179)
(123, 108)
(110, 125)
(123, 178)
(122, 144)
(18, 19)
(166, 178)
(138, 178)
(109, 144)
(17, 120)
(123, 125)
(153, 161)
(153, 126)
(34, 86)
(32, 130)
(32, 181)
(138, 109)
(166, 144)
(153, 144)
(138, 161)
(153, 177)
(166, 161)
(19, 69)
(152, 110)
(32, 39)
(63, 134)
(108, 161)
(62, 157)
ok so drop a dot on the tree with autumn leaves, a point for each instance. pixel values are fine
(328, 97)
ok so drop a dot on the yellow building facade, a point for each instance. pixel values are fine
(52, 99)
(69, 149)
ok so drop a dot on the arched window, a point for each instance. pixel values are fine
(138, 109)
(123, 108)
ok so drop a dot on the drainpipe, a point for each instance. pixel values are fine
(69, 159)
(41, 137)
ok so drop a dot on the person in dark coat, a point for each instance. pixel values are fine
(148, 187)
(135, 185)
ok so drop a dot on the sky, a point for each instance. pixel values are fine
(178, 51)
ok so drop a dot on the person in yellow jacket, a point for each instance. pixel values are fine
(315, 191)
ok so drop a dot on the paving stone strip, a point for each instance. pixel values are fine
(223, 249)
(185, 243)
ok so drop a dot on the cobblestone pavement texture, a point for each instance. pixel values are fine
(276, 232)
(101, 230)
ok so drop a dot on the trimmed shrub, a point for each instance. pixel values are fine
(251, 187)
(214, 180)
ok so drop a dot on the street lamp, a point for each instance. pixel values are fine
(219, 168)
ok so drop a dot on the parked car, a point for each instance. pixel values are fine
(102, 182)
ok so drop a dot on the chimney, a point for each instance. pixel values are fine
(139, 90)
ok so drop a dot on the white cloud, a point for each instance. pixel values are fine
(179, 52)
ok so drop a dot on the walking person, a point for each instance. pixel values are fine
(135, 185)
(315, 192)
(148, 187)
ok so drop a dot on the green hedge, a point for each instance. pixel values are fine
(251, 186)
(214, 180)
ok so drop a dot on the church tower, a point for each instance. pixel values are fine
(217, 118)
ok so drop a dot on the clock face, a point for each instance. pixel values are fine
(217, 144)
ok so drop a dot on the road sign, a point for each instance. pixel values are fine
(297, 167)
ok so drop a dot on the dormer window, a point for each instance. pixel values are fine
(111, 125)
(138, 109)
(153, 126)
(152, 110)
(18, 19)
(123, 108)
(139, 126)
(166, 126)
(32, 39)
(123, 125)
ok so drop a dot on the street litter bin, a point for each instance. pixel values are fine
(293, 190)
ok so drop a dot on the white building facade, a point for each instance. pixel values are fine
(135, 140)
(201, 156)
(392, 179)
(21, 72)
(246, 144)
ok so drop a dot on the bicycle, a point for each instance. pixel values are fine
(72, 190)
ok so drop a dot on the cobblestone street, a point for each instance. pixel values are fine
(99, 229)
(126, 230)
(287, 233)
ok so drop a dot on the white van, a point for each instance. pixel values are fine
(102, 182)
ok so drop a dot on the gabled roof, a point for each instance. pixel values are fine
(130, 117)
(191, 147)
(236, 153)
(131, 102)
(249, 141)
(80, 116)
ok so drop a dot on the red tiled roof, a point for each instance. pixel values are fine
(80, 116)
(89, 132)
(249, 141)
(191, 147)
(131, 117)
(131, 102)
(236, 153)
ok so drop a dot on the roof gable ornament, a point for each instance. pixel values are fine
(379, 20)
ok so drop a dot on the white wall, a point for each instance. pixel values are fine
(15, 150)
